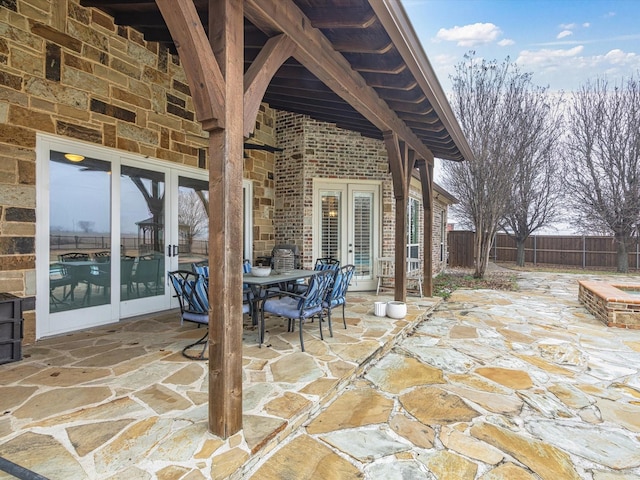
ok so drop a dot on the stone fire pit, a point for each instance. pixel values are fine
(616, 305)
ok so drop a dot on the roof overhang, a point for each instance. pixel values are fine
(381, 50)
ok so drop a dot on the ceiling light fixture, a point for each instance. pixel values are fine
(73, 157)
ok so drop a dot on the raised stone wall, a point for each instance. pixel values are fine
(611, 305)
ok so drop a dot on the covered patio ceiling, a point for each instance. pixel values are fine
(376, 40)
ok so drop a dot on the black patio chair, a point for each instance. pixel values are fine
(301, 307)
(193, 295)
(59, 276)
(337, 295)
(192, 291)
(148, 271)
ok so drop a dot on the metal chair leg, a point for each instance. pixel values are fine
(204, 341)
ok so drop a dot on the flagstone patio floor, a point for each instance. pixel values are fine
(489, 385)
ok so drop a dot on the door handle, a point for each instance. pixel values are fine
(168, 250)
(175, 250)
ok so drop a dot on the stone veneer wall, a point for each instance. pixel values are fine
(313, 149)
(259, 166)
(609, 304)
(78, 75)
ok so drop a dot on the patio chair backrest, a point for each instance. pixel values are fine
(71, 256)
(340, 285)
(193, 294)
(327, 263)
(317, 290)
(201, 268)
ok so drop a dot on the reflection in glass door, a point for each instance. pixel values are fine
(79, 232)
(193, 221)
(143, 220)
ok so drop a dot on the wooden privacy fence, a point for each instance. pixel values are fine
(570, 250)
(460, 246)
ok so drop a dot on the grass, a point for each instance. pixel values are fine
(446, 283)
(565, 269)
(451, 280)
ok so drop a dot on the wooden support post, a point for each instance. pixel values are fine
(426, 179)
(226, 33)
(401, 161)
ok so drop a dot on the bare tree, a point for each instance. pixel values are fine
(603, 162)
(537, 184)
(193, 217)
(86, 225)
(486, 98)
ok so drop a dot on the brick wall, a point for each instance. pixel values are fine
(313, 149)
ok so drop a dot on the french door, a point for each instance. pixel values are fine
(347, 226)
(110, 226)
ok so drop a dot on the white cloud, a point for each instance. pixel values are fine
(586, 24)
(470, 35)
(567, 26)
(547, 58)
(620, 58)
(505, 42)
(609, 14)
(567, 67)
(564, 33)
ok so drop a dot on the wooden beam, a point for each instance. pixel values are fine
(200, 66)
(59, 15)
(401, 161)
(426, 179)
(225, 225)
(316, 53)
(256, 80)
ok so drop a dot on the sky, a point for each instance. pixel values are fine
(563, 43)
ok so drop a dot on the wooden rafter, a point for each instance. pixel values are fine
(317, 54)
(202, 70)
(256, 80)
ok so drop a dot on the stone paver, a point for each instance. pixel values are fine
(494, 386)
(489, 385)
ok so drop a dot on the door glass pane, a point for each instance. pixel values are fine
(142, 213)
(80, 232)
(193, 221)
(413, 234)
(363, 233)
(330, 225)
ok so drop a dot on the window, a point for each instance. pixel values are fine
(413, 234)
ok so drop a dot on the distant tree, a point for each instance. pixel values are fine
(603, 160)
(486, 101)
(86, 226)
(193, 217)
(536, 188)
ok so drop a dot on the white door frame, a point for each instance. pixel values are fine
(347, 188)
(48, 324)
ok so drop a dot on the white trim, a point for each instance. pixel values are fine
(112, 312)
(347, 187)
(247, 192)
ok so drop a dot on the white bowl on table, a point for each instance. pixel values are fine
(258, 271)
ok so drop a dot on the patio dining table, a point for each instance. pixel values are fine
(260, 285)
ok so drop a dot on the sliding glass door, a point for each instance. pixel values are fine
(110, 226)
